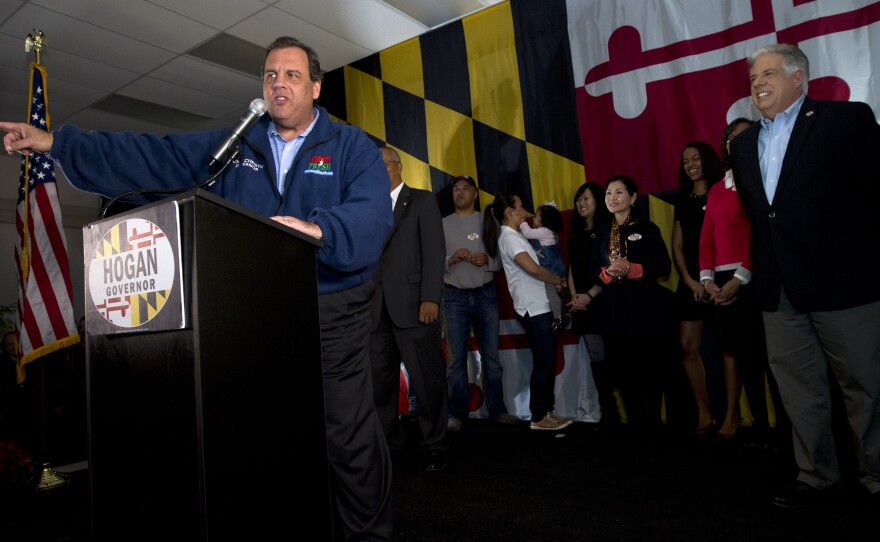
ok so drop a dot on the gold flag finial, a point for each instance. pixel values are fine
(35, 40)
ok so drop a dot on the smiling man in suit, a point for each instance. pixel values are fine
(808, 181)
(405, 317)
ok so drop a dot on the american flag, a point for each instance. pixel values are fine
(45, 312)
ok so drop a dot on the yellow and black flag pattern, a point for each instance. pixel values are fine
(490, 96)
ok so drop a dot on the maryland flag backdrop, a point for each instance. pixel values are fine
(651, 76)
(536, 96)
(488, 96)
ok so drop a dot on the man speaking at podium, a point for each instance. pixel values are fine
(319, 177)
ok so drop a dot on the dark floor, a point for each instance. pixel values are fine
(582, 484)
(512, 484)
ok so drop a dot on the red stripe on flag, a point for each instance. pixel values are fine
(52, 322)
(50, 211)
(513, 342)
(625, 49)
(830, 24)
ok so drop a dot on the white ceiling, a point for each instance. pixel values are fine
(143, 50)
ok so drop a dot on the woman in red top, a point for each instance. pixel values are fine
(726, 274)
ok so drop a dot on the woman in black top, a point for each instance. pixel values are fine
(589, 215)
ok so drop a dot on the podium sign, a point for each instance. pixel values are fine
(204, 376)
(133, 274)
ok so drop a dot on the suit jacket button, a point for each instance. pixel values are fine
(772, 215)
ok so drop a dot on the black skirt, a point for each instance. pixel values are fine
(689, 310)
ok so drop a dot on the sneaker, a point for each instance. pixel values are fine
(453, 425)
(550, 422)
(557, 417)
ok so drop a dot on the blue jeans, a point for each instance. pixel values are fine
(542, 383)
(463, 311)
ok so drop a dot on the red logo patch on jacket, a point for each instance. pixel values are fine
(320, 165)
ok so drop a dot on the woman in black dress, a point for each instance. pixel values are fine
(700, 168)
(629, 256)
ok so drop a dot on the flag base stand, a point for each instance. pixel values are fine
(49, 479)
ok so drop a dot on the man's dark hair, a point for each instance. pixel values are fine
(315, 73)
(725, 139)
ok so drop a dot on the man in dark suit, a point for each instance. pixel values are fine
(405, 317)
(808, 181)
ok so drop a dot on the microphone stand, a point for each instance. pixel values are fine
(233, 154)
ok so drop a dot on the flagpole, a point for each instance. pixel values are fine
(49, 479)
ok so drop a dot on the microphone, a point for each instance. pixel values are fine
(255, 111)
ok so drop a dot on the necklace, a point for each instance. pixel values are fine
(614, 248)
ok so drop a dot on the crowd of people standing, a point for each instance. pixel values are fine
(745, 276)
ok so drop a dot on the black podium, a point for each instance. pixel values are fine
(205, 390)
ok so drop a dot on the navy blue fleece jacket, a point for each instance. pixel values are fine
(338, 181)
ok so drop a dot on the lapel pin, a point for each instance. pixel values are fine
(810, 113)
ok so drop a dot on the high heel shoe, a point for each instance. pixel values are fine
(727, 437)
(706, 430)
